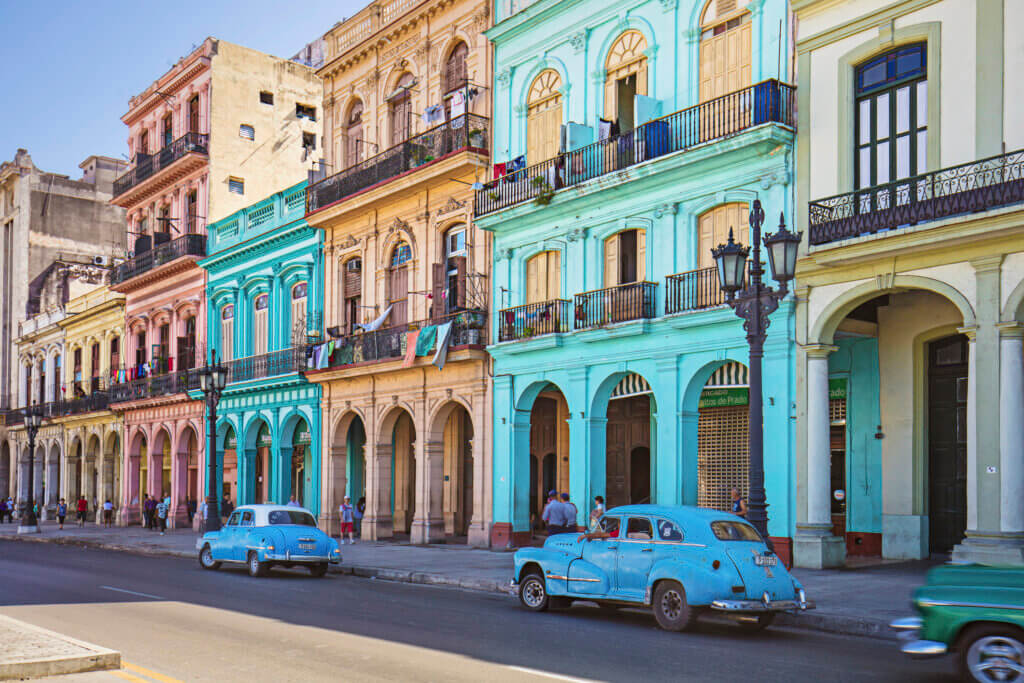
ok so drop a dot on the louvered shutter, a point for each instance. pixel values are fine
(227, 339)
(554, 265)
(533, 290)
(610, 105)
(460, 279)
(437, 282)
(641, 78)
(611, 261)
(641, 255)
(706, 240)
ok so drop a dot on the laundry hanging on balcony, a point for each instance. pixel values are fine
(441, 355)
(458, 107)
(410, 348)
(433, 114)
(425, 341)
(376, 323)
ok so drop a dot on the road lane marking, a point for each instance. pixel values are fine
(548, 674)
(128, 677)
(122, 590)
(149, 673)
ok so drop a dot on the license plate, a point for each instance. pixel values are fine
(307, 546)
(766, 560)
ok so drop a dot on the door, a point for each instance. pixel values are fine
(245, 524)
(636, 555)
(594, 572)
(224, 547)
(947, 442)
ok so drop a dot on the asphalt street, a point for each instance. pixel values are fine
(173, 621)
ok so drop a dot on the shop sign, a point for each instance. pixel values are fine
(724, 397)
(230, 441)
(837, 388)
(302, 437)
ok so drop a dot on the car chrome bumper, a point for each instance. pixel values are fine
(302, 559)
(762, 606)
(909, 628)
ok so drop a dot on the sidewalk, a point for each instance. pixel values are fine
(32, 652)
(849, 601)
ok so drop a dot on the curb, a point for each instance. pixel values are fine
(813, 621)
(94, 658)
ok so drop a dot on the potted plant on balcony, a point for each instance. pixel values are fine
(544, 190)
(476, 138)
(472, 322)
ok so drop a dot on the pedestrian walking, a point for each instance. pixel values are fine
(347, 515)
(10, 509)
(108, 513)
(552, 514)
(161, 514)
(739, 503)
(3, 510)
(62, 512)
(226, 508)
(149, 508)
(570, 512)
(360, 511)
(190, 506)
(83, 508)
(596, 513)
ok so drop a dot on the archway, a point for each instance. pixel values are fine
(449, 470)
(628, 442)
(548, 450)
(160, 465)
(52, 478)
(258, 444)
(723, 454)
(112, 470)
(138, 470)
(228, 452)
(188, 445)
(403, 468)
(91, 473)
(301, 462)
(74, 471)
(5, 469)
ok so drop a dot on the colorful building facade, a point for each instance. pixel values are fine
(910, 283)
(264, 293)
(625, 148)
(407, 272)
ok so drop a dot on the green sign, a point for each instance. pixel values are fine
(302, 437)
(837, 388)
(724, 397)
(230, 441)
(263, 438)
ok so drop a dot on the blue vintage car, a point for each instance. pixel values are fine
(677, 560)
(262, 536)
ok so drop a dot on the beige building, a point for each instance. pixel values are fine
(407, 124)
(910, 378)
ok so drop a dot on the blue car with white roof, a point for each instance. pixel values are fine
(679, 561)
(263, 536)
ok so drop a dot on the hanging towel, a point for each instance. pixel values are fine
(458, 105)
(330, 348)
(410, 348)
(441, 355)
(499, 170)
(316, 357)
(325, 357)
(425, 342)
(376, 323)
(604, 129)
(517, 164)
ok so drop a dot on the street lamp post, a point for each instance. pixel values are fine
(212, 380)
(33, 420)
(754, 303)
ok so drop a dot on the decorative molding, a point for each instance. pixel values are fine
(398, 224)
(663, 210)
(504, 78)
(349, 242)
(503, 254)
(598, 75)
(578, 41)
(576, 235)
(668, 5)
(451, 206)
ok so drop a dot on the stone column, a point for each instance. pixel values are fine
(478, 532)
(428, 519)
(1011, 427)
(814, 546)
(377, 522)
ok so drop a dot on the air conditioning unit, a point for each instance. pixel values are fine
(101, 261)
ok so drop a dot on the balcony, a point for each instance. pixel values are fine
(148, 165)
(532, 320)
(186, 245)
(468, 329)
(633, 301)
(271, 364)
(968, 188)
(766, 102)
(696, 290)
(466, 132)
(155, 386)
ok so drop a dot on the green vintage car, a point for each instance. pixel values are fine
(974, 612)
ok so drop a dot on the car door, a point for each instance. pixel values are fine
(593, 573)
(223, 547)
(635, 557)
(240, 547)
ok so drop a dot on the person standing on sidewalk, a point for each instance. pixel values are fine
(10, 509)
(161, 514)
(3, 510)
(150, 507)
(570, 512)
(346, 514)
(83, 509)
(62, 512)
(595, 514)
(190, 507)
(226, 508)
(552, 515)
(358, 515)
(108, 513)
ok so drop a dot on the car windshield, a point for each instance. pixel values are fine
(291, 517)
(734, 531)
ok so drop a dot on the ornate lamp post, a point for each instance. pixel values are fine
(212, 380)
(33, 420)
(753, 304)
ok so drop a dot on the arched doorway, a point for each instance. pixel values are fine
(53, 478)
(628, 443)
(400, 109)
(301, 463)
(93, 462)
(354, 143)
(259, 476)
(398, 284)
(112, 471)
(355, 461)
(74, 470)
(188, 444)
(723, 454)
(549, 450)
(450, 488)
(544, 118)
(403, 468)
(160, 465)
(229, 466)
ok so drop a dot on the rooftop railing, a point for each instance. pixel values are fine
(468, 131)
(768, 101)
(633, 301)
(968, 188)
(147, 165)
(186, 245)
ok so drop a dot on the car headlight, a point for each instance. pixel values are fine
(270, 547)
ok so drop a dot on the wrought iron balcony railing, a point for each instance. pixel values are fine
(532, 320)
(146, 165)
(768, 101)
(266, 365)
(155, 385)
(694, 290)
(468, 329)
(186, 245)
(468, 131)
(621, 303)
(968, 188)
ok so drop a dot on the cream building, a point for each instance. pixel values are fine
(910, 197)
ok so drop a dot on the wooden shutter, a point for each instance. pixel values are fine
(299, 325)
(554, 275)
(460, 280)
(533, 287)
(260, 333)
(706, 239)
(227, 339)
(437, 282)
(641, 255)
(611, 108)
(641, 78)
(398, 297)
(611, 261)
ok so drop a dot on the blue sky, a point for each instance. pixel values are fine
(70, 66)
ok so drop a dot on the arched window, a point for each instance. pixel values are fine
(259, 324)
(400, 112)
(401, 254)
(544, 120)
(455, 74)
(354, 134)
(299, 312)
(625, 258)
(713, 229)
(398, 284)
(724, 49)
(543, 277)
(227, 333)
(626, 77)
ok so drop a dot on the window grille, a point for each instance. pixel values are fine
(723, 459)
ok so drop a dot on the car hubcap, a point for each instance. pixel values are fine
(254, 564)
(207, 557)
(672, 604)
(996, 658)
(533, 593)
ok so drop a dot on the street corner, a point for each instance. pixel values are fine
(33, 652)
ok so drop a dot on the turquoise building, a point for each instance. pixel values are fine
(264, 294)
(629, 139)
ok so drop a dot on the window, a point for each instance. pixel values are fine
(352, 287)
(227, 333)
(266, 97)
(713, 229)
(163, 220)
(298, 517)
(734, 531)
(187, 346)
(724, 50)
(400, 111)
(544, 118)
(626, 77)
(193, 114)
(401, 254)
(236, 185)
(78, 364)
(115, 355)
(309, 141)
(625, 258)
(299, 312)
(246, 132)
(543, 277)
(248, 518)
(163, 351)
(891, 118)
(234, 518)
(455, 68)
(354, 134)
(140, 349)
(610, 525)
(639, 529)
(455, 268)
(398, 284)
(143, 143)
(191, 203)
(260, 330)
(668, 531)
(304, 111)
(167, 130)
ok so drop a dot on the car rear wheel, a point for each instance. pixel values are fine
(533, 594)
(992, 653)
(257, 568)
(318, 570)
(671, 610)
(757, 622)
(206, 560)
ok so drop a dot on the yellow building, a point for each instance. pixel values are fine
(407, 130)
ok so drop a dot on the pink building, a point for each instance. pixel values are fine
(226, 125)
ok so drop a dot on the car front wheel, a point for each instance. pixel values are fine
(257, 568)
(318, 570)
(671, 610)
(206, 560)
(992, 653)
(533, 594)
